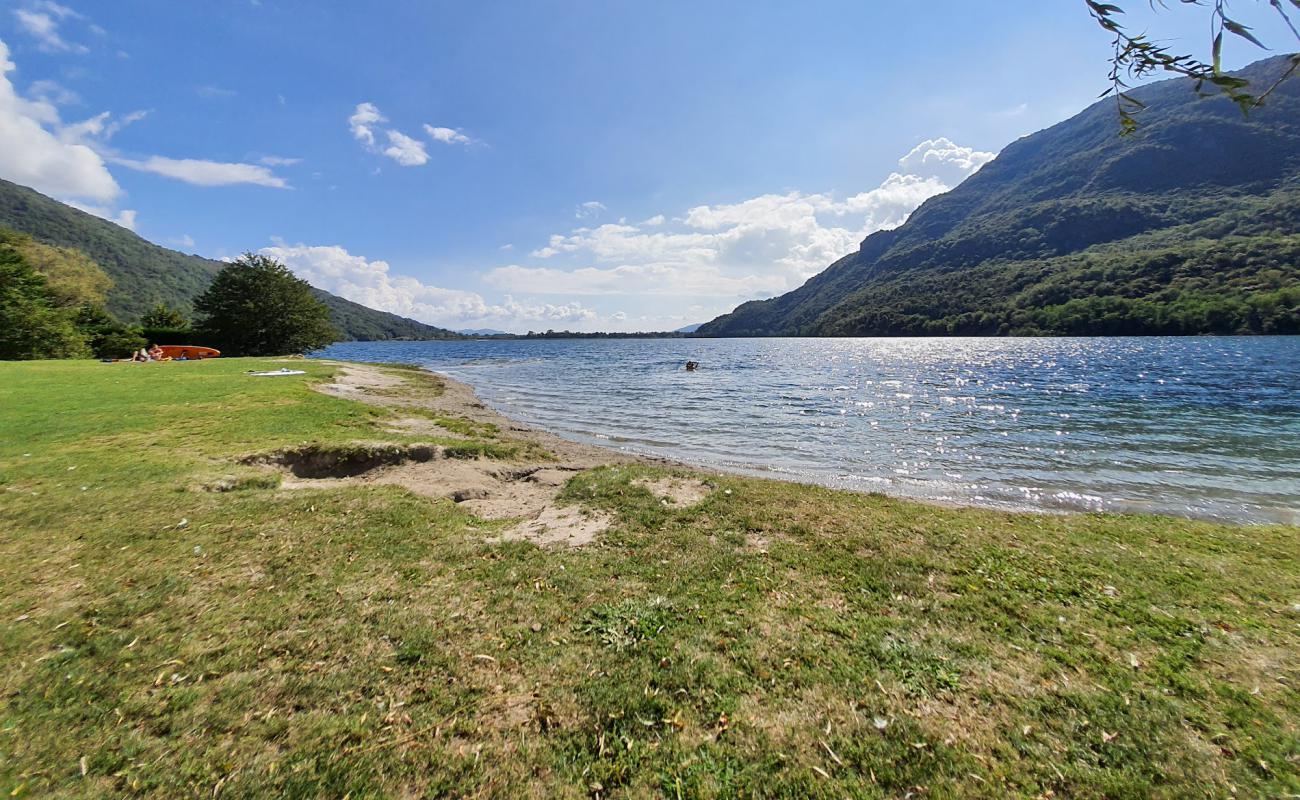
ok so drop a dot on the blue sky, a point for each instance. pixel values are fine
(527, 165)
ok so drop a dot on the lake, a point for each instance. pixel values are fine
(1199, 427)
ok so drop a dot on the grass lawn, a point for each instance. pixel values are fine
(775, 640)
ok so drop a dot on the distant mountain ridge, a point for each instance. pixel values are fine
(145, 274)
(1188, 226)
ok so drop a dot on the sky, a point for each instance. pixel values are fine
(580, 165)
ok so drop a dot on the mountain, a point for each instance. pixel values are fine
(1188, 226)
(689, 328)
(482, 332)
(145, 274)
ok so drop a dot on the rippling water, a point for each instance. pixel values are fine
(1204, 427)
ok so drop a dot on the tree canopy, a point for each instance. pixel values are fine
(51, 304)
(163, 316)
(256, 307)
(32, 325)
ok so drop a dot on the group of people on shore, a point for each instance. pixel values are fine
(155, 353)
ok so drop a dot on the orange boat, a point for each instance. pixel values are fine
(188, 352)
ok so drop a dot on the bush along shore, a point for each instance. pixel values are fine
(361, 582)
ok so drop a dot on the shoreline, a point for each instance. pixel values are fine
(462, 398)
(524, 474)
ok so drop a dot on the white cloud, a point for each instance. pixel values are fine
(101, 127)
(945, 160)
(371, 283)
(758, 247)
(68, 161)
(640, 279)
(184, 240)
(365, 122)
(404, 150)
(279, 161)
(589, 209)
(41, 20)
(200, 172)
(362, 123)
(448, 135)
(32, 154)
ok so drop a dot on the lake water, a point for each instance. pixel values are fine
(1201, 427)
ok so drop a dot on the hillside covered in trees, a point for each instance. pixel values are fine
(1190, 225)
(144, 274)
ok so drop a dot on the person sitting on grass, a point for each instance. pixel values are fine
(156, 354)
(140, 356)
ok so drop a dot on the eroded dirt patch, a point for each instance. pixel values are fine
(358, 379)
(571, 525)
(680, 492)
(421, 426)
(317, 461)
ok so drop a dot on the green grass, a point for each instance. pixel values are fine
(775, 640)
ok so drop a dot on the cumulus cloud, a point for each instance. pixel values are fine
(944, 159)
(362, 123)
(640, 279)
(69, 161)
(372, 283)
(367, 125)
(42, 19)
(200, 172)
(404, 150)
(448, 135)
(31, 152)
(757, 247)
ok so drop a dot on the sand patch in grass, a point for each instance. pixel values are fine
(680, 492)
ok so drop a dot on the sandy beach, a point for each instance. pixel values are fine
(521, 486)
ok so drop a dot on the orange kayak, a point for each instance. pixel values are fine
(189, 352)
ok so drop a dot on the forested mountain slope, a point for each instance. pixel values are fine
(145, 274)
(1191, 225)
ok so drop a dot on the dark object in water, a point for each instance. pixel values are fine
(691, 366)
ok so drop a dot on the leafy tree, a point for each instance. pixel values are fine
(71, 277)
(1138, 55)
(32, 325)
(163, 316)
(107, 337)
(257, 307)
